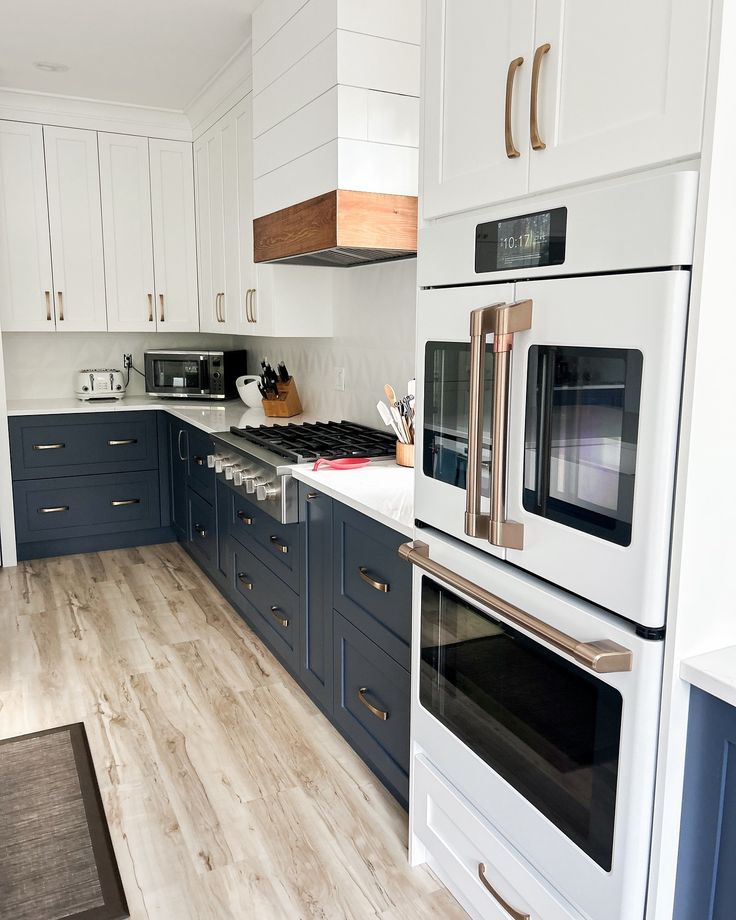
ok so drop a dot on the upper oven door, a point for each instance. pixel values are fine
(177, 374)
(444, 408)
(593, 420)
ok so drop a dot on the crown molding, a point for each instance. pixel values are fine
(228, 86)
(93, 114)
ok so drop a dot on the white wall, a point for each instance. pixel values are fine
(373, 341)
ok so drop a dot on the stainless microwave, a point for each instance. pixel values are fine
(194, 374)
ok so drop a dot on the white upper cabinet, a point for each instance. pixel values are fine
(619, 91)
(174, 237)
(596, 95)
(126, 211)
(26, 298)
(209, 172)
(73, 185)
(476, 109)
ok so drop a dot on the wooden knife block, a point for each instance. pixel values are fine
(287, 404)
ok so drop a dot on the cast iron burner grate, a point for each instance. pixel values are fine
(311, 440)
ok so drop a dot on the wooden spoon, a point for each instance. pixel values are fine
(390, 394)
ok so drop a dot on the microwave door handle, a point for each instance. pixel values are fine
(603, 656)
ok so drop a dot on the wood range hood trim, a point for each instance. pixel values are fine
(339, 228)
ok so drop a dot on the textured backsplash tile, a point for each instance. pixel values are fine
(374, 341)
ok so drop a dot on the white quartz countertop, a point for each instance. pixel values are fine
(382, 490)
(714, 672)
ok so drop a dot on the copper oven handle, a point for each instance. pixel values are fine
(602, 656)
(150, 308)
(502, 320)
(162, 317)
(381, 714)
(511, 911)
(378, 585)
(537, 142)
(511, 151)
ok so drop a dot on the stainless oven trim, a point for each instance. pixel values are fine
(601, 656)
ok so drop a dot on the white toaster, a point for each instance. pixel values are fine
(100, 383)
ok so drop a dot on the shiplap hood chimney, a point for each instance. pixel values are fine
(335, 131)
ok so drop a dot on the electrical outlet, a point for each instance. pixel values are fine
(339, 378)
(127, 361)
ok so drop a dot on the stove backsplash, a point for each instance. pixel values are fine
(373, 341)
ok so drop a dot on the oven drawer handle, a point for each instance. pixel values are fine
(502, 320)
(381, 714)
(602, 656)
(383, 586)
(511, 911)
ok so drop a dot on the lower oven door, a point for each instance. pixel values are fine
(508, 705)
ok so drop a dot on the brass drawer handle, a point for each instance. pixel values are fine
(537, 142)
(381, 714)
(282, 621)
(150, 308)
(121, 442)
(162, 318)
(511, 911)
(281, 547)
(202, 531)
(245, 518)
(55, 509)
(200, 461)
(243, 579)
(47, 295)
(122, 502)
(49, 446)
(511, 151)
(378, 585)
(60, 301)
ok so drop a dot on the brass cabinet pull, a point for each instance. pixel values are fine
(311, 496)
(150, 308)
(217, 308)
(202, 531)
(49, 446)
(378, 585)
(245, 518)
(47, 295)
(281, 547)
(220, 307)
(122, 502)
(282, 621)
(121, 442)
(503, 320)
(60, 301)
(54, 509)
(253, 314)
(537, 142)
(512, 912)
(243, 579)
(378, 713)
(248, 317)
(162, 317)
(200, 461)
(602, 656)
(511, 151)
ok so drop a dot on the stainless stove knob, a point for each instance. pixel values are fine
(238, 477)
(252, 483)
(222, 462)
(211, 459)
(267, 492)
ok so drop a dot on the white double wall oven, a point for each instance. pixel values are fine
(550, 348)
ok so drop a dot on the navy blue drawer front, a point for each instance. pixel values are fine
(202, 530)
(201, 477)
(372, 585)
(274, 543)
(84, 505)
(372, 704)
(68, 445)
(276, 605)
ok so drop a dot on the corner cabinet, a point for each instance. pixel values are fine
(520, 96)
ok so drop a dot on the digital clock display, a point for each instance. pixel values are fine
(528, 241)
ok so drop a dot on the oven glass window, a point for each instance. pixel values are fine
(582, 421)
(446, 398)
(179, 373)
(550, 729)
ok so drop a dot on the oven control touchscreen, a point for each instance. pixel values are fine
(528, 241)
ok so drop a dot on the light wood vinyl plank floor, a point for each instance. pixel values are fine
(227, 793)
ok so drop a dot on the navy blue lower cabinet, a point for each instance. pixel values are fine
(706, 881)
(276, 544)
(178, 465)
(372, 705)
(316, 665)
(199, 476)
(202, 532)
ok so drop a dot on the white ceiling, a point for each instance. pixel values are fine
(156, 53)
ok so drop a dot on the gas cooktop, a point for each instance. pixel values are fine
(301, 443)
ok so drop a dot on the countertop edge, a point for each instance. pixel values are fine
(713, 672)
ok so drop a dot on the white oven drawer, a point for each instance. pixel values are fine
(458, 842)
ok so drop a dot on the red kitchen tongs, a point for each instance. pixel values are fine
(344, 463)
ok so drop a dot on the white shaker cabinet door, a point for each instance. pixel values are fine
(476, 134)
(254, 313)
(126, 213)
(174, 239)
(621, 87)
(73, 183)
(210, 229)
(26, 298)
